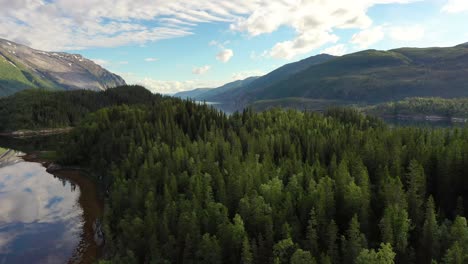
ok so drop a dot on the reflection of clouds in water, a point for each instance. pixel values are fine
(38, 242)
(39, 214)
(31, 194)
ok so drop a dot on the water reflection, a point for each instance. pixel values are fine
(40, 217)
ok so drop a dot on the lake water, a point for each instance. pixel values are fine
(45, 218)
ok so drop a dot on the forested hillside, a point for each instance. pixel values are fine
(365, 77)
(35, 109)
(188, 184)
(378, 76)
(457, 108)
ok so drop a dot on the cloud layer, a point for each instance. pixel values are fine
(66, 24)
(171, 87)
(367, 37)
(456, 6)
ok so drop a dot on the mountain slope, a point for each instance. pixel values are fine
(192, 93)
(377, 76)
(231, 93)
(277, 75)
(217, 93)
(22, 68)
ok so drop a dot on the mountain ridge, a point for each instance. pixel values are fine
(22, 68)
(364, 77)
(235, 88)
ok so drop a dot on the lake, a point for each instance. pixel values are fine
(45, 218)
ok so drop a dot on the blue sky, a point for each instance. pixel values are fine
(177, 45)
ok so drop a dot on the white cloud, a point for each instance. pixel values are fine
(201, 70)
(171, 87)
(151, 59)
(302, 44)
(455, 6)
(313, 20)
(368, 37)
(101, 62)
(407, 33)
(337, 50)
(90, 23)
(225, 55)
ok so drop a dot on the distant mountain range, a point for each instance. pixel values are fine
(22, 68)
(365, 77)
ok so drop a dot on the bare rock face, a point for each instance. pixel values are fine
(22, 67)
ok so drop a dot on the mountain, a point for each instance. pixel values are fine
(374, 76)
(192, 93)
(284, 72)
(217, 93)
(366, 77)
(22, 68)
(236, 89)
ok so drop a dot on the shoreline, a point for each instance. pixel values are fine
(40, 132)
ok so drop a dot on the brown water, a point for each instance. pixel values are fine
(46, 218)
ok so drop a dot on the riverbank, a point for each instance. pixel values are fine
(40, 132)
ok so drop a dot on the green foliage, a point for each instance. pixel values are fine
(355, 241)
(430, 242)
(395, 227)
(373, 76)
(413, 107)
(384, 255)
(302, 257)
(298, 103)
(35, 109)
(188, 184)
(458, 251)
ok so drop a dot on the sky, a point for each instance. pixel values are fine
(177, 45)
